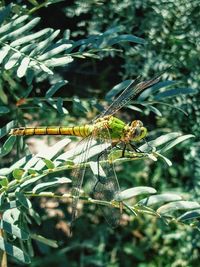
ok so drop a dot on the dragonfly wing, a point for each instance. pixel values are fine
(79, 172)
(107, 186)
(132, 91)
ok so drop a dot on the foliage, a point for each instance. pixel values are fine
(159, 213)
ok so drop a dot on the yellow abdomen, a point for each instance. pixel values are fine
(82, 131)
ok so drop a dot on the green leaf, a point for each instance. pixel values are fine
(150, 91)
(3, 181)
(30, 37)
(10, 205)
(3, 95)
(7, 146)
(135, 191)
(49, 163)
(21, 71)
(4, 110)
(12, 60)
(6, 129)
(16, 165)
(4, 12)
(169, 163)
(59, 61)
(23, 200)
(178, 205)
(46, 69)
(175, 92)
(126, 38)
(55, 51)
(18, 173)
(14, 230)
(48, 242)
(160, 140)
(154, 110)
(12, 215)
(3, 53)
(56, 181)
(35, 216)
(177, 141)
(9, 25)
(59, 106)
(28, 26)
(54, 88)
(113, 30)
(117, 89)
(190, 215)
(78, 106)
(44, 44)
(158, 199)
(14, 251)
(47, 154)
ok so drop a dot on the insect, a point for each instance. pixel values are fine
(109, 131)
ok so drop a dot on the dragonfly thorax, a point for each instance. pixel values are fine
(117, 130)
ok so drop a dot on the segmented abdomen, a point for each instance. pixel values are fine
(81, 131)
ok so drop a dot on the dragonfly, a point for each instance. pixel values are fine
(109, 131)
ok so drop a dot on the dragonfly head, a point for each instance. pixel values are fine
(138, 131)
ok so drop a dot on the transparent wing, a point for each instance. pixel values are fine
(133, 90)
(79, 172)
(106, 187)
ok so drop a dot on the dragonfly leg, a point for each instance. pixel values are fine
(99, 180)
(135, 148)
(123, 151)
(149, 146)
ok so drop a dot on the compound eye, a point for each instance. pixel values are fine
(137, 131)
(136, 123)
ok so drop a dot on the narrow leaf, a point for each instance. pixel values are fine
(7, 146)
(60, 61)
(12, 60)
(126, 38)
(22, 29)
(23, 200)
(48, 242)
(4, 110)
(56, 181)
(177, 141)
(150, 91)
(158, 199)
(154, 110)
(21, 71)
(47, 154)
(160, 140)
(49, 163)
(4, 12)
(6, 129)
(178, 205)
(44, 44)
(54, 88)
(53, 52)
(190, 215)
(14, 251)
(14, 230)
(29, 38)
(9, 25)
(3, 53)
(117, 89)
(175, 92)
(135, 191)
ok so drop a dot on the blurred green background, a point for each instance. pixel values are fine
(171, 31)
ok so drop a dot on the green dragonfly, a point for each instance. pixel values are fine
(109, 131)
